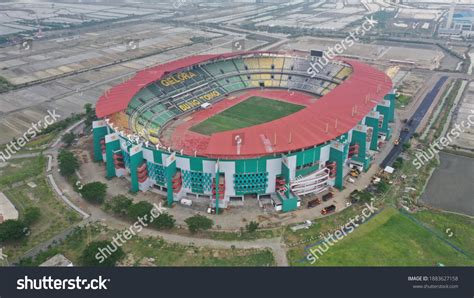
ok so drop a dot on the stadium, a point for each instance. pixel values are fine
(244, 126)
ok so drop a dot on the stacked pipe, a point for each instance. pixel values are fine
(102, 145)
(142, 173)
(353, 150)
(280, 184)
(331, 165)
(177, 182)
(221, 187)
(118, 160)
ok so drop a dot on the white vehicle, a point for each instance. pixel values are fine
(186, 202)
(205, 106)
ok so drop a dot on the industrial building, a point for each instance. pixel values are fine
(459, 23)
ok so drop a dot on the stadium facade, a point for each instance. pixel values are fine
(144, 133)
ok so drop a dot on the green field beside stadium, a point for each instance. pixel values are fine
(392, 238)
(255, 110)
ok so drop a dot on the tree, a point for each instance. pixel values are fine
(141, 209)
(88, 108)
(198, 223)
(90, 114)
(101, 253)
(94, 192)
(68, 163)
(31, 215)
(12, 230)
(252, 226)
(120, 204)
(164, 221)
(68, 138)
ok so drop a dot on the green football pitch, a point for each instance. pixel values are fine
(253, 111)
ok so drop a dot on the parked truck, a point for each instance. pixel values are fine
(314, 203)
(328, 196)
(328, 209)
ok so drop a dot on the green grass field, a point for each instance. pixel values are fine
(392, 239)
(253, 111)
(55, 215)
(402, 101)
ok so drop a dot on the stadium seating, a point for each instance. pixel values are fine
(187, 89)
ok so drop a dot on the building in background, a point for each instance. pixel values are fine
(460, 23)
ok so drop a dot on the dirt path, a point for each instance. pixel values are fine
(276, 245)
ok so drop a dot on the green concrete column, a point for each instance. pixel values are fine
(99, 130)
(217, 187)
(359, 136)
(384, 109)
(289, 201)
(112, 144)
(170, 170)
(372, 120)
(285, 172)
(392, 100)
(136, 159)
(338, 153)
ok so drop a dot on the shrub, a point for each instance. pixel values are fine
(252, 226)
(198, 223)
(398, 163)
(365, 196)
(68, 163)
(119, 204)
(140, 209)
(12, 230)
(92, 256)
(164, 221)
(94, 192)
(382, 187)
(68, 138)
(31, 215)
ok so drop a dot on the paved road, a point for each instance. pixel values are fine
(414, 122)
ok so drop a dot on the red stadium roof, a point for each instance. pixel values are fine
(327, 118)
